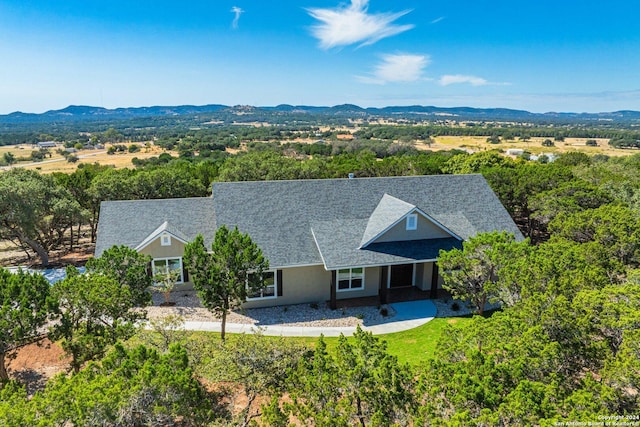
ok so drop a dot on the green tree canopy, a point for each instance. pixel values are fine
(471, 273)
(35, 211)
(95, 312)
(361, 384)
(129, 268)
(135, 387)
(228, 273)
(25, 307)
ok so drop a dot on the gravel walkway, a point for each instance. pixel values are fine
(188, 306)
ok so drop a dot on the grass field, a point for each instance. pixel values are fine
(533, 146)
(57, 163)
(413, 346)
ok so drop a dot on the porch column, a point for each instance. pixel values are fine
(332, 301)
(382, 290)
(434, 281)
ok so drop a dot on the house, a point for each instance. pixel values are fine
(47, 144)
(325, 240)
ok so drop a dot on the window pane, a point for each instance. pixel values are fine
(269, 291)
(344, 274)
(269, 278)
(255, 294)
(357, 272)
(343, 284)
(174, 264)
(159, 266)
(356, 283)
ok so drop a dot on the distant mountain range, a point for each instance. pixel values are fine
(78, 113)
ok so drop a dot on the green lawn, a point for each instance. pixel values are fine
(412, 346)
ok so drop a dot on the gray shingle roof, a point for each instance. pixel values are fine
(280, 216)
(131, 222)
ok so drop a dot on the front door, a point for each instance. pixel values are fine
(401, 276)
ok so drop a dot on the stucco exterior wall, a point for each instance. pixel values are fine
(425, 230)
(156, 250)
(371, 285)
(299, 285)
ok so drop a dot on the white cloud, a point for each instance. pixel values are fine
(397, 68)
(346, 25)
(435, 21)
(237, 12)
(449, 79)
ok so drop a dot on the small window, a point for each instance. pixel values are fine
(412, 222)
(269, 290)
(165, 240)
(350, 279)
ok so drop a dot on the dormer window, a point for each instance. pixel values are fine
(412, 222)
(165, 240)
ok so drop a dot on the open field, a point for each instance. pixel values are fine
(57, 163)
(533, 146)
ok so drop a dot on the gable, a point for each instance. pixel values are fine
(394, 220)
(425, 229)
(164, 235)
(156, 250)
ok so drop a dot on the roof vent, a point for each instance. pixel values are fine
(351, 176)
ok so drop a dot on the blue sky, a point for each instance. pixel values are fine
(569, 55)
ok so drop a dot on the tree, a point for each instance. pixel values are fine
(78, 184)
(9, 158)
(259, 365)
(129, 387)
(517, 186)
(612, 233)
(129, 268)
(225, 276)
(35, 211)
(478, 162)
(471, 273)
(95, 311)
(362, 384)
(24, 308)
(164, 283)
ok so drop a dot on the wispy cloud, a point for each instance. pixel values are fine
(435, 21)
(237, 12)
(451, 79)
(397, 68)
(350, 24)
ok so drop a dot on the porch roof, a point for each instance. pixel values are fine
(339, 245)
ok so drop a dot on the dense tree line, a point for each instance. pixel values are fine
(505, 131)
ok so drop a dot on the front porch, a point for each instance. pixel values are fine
(388, 284)
(393, 295)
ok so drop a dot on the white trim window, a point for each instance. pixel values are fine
(350, 279)
(165, 240)
(270, 290)
(161, 265)
(412, 222)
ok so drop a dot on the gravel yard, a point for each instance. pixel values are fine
(189, 307)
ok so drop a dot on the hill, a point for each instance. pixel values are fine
(79, 114)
